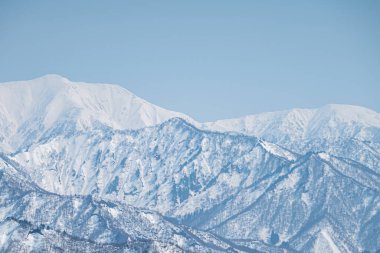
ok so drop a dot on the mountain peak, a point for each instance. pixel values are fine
(350, 113)
(52, 100)
(294, 128)
(53, 77)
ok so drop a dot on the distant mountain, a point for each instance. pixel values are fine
(30, 110)
(304, 180)
(343, 130)
(301, 129)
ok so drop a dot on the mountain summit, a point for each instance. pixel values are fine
(30, 109)
(297, 127)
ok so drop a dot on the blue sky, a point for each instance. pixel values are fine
(210, 59)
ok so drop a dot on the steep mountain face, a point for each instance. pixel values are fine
(228, 184)
(146, 179)
(83, 224)
(31, 110)
(173, 168)
(320, 196)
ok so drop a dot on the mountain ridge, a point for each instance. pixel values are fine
(304, 180)
(28, 109)
(53, 99)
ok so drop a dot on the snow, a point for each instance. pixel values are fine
(114, 212)
(152, 218)
(276, 150)
(232, 180)
(324, 156)
(293, 128)
(324, 243)
(305, 197)
(264, 234)
(51, 99)
(71, 138)
(290, 181)
(3, 239)
(76, 204)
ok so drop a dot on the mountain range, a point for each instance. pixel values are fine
(94, 168)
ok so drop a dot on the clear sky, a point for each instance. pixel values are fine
(211, 59)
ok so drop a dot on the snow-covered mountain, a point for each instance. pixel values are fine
(173, 168)
(225, 183)
(303, 129)
(305, 180)
(30, 110)
(38, 221)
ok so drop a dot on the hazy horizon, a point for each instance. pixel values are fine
(208, 59)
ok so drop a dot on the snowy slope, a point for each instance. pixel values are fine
(236, 186)
(173, 168)
(31, 109)
(33, 220)
(303, 129)
(317, 193)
